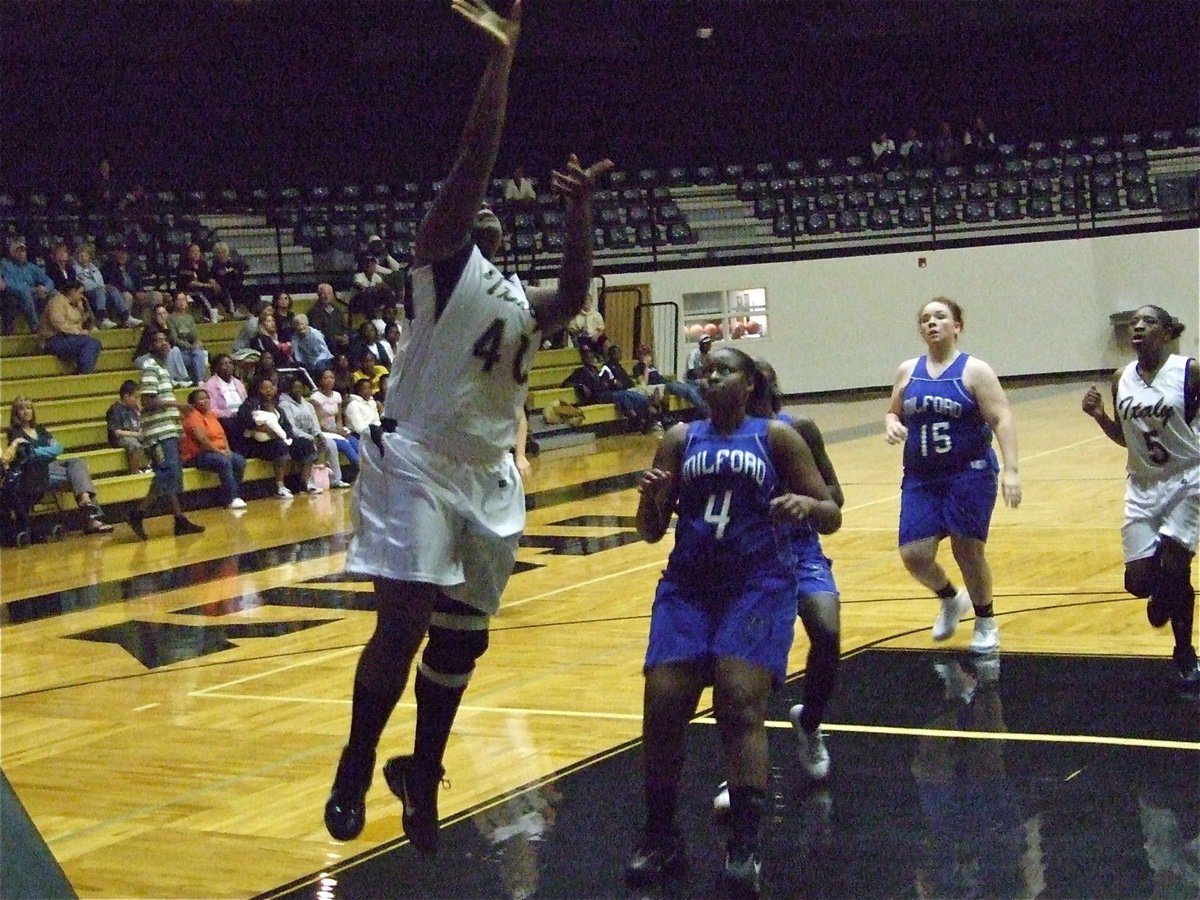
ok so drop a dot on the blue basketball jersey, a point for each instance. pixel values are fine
(725, 488)
(946, 431)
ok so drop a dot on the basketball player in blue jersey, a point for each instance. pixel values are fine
(439, 507)
(1156, 399)
(945, 407)
(724, 612)
(816, 596)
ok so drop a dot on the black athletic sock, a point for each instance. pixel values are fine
(370, 712)
(820, 677)
(948, 592)
(437, 706)
(660, 811)
(984, 612)
(747, 807)
(1182, 603)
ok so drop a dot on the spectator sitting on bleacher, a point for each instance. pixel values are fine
(266, 340)
(59, 266)
(588, 326)
(226, 392)
(698, 359)
(388, 267)
(595, 384)
(327, 401)
(327, 317)
(370, 369)
(205, 445)
(124, 420)
(303, 416)
(229, 271)
(26, 287)
(183, 332)
(613, 371)
(102, 196)
(519, 189)
(161, 430)
(107, 300)
(309, 348)
(946, 150)
(343, 375)
(119, 273)
(285, 316)
(370, 290)
(396, 340)
(883, 152)
(194, 277)
(24, 429)
(158, 320)
(362, 410)
(65, 326)
(249, 327)
(913, 151)
(259, 440)
(979, 143)
(645, 373)
(367, 338)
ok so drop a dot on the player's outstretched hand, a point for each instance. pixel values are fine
(577, 183)
(502, 31)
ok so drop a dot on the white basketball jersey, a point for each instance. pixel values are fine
(465, 374)
(1159, 439)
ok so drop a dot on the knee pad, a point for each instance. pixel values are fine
(450, 652)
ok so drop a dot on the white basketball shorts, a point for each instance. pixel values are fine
(421, 516)
(1170, 507)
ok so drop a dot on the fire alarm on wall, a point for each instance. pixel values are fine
(922, 262)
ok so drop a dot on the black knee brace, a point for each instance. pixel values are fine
(453, 652)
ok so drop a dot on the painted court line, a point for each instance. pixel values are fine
(991, 735)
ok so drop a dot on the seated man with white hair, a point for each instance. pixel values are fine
(309, 348)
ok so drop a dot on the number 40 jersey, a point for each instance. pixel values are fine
(946, 431)
(1159, 438)
(466, 368)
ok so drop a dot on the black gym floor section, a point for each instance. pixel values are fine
(1094, 791)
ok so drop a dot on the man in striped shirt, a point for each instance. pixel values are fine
(161, 430)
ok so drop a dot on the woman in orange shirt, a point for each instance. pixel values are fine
(205, 446)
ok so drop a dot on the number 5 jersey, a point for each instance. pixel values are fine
(1160, 440)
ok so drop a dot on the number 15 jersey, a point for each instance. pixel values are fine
(466, 369)
(946, 430)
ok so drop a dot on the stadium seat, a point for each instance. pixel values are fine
(750, 189)
(524, 242)
(825, 166)
(620, 237)
(917, 195)
(780, 187)
(837, 182)
(1105, 160)
(889, 198)
(976, 211)
(647, 178)
(866, 181)
(849, 221)
(952, 173)
(1098, 143)
(1036, 150)
(948, 192)
(618, 179)
(1104, 181)
(1068, 146)
(1191, 137)
(552, 241)
(827, 202)
(1039, 207)
(945, 214)
(766, 207)
(913, 217)
(669, 212)
(706, 175)
(1007, 152)
(1008, 209)
(1134, 177)
(818, 223)
(638, 214)
(1013, 167)
(349, 193)
(856, 200)
(984, 170)
(764, 171)
(1131, 141)
(922, 176)
(677, 176)
(1106, 201)
(1044, 167)
(1010, 188)
(680, 233)
(1139, 197)
(880, 218)
(734, 174)
(855, 164)
(1073, 204)
(783, 226)
(794, 168)
(808, 186)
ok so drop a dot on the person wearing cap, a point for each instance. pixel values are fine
(25, 287)
(64, 328)
(587, 327)
(698, 358)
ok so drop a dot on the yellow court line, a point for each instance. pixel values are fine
(991, 735)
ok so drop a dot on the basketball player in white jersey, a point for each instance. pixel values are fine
(1156, 400)
(439, 507)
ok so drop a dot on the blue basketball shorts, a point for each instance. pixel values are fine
(814, 570)
(695, 623)
(959, 504)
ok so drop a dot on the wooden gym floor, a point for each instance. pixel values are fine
(171, 712)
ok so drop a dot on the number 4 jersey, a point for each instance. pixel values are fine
(1158, 436)
(946, 431)
(726, 484)
(466, 368)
